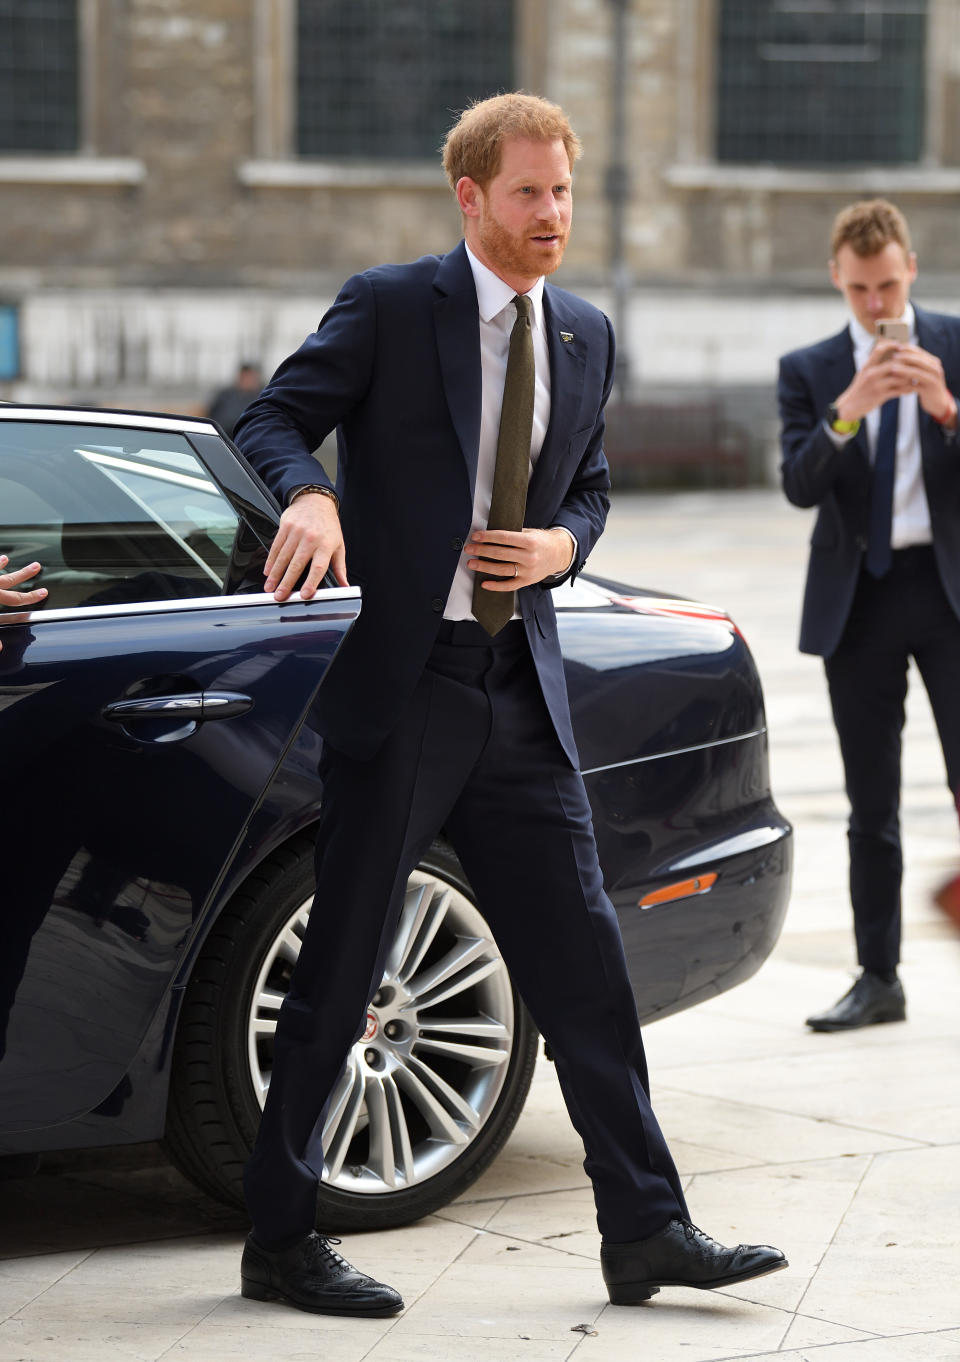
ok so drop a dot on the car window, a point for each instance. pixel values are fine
(114, 515)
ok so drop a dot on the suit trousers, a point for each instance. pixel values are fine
(476, 754)
(901, 615)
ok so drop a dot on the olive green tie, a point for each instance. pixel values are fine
(512, 473)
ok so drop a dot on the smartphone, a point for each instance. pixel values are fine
(887, 329)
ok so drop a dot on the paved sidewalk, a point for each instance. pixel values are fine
(840, 1149)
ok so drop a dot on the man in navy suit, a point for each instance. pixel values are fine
(869, 436)
(459, 385)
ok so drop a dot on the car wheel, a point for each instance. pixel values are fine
(431, 1091)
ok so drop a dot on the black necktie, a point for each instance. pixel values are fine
(512, 472)
(879, 552)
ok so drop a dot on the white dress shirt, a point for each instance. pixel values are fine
(497, 316)
(911, 513)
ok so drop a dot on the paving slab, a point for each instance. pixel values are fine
(84, 1340)
(923, 1347)
(412, 1347)
(22, 1280)
(535, 1293)
(689, 1325)
(892, 1093)
(225, 1339)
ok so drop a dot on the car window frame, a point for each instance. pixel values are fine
(257, 511)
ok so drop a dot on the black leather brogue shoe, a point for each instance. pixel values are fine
(313, 1276)
(681, 1255)
(869, 1001)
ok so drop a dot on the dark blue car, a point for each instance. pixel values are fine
(156, 741)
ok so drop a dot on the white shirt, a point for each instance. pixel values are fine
(911, 513)
(497, 316)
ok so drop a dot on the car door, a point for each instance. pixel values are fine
(143, 714)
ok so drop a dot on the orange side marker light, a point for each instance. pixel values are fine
(683, 889)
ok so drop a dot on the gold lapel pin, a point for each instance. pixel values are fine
(566, 336)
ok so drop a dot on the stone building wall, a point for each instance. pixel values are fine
(124, 260)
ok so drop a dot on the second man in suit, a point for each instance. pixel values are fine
(869, 436)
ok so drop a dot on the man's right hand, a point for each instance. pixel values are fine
(309, 537)
(874, 384)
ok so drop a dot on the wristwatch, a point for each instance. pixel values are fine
(838, 425)
(314, 487)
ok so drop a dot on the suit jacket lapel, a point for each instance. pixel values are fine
(457, 323)
(929, 335)
(567, 364)
(840, 359)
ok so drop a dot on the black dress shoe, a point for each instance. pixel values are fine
(313, 1276)
(871, 1000)
(680, 1255)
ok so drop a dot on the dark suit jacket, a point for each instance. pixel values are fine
(815, 473)
(395, 366)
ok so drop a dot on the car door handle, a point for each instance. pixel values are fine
(200, 706)
(225, 704)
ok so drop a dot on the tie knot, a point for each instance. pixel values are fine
(522, 303)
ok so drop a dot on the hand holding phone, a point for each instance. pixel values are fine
(879, 379)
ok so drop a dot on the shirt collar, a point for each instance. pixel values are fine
(493, 294)
(864, 340)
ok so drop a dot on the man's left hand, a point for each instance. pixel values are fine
(19, 600)
(922, 373)
(519, 557)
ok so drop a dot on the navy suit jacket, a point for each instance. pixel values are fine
(816, 473)
(395, 367)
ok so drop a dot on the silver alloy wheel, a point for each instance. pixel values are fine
(424, 1079)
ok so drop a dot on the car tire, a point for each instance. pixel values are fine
(428, 1099)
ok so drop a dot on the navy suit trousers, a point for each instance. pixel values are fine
(476, 754)
(901, 615)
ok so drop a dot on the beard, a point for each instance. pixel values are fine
(515, 253)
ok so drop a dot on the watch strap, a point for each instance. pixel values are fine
(314, 487)
(838, 425)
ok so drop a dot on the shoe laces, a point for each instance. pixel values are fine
(323, 1248)
(694, 1234)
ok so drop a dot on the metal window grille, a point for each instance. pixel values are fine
(39, 85)
(380, 78)
(806, 82)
